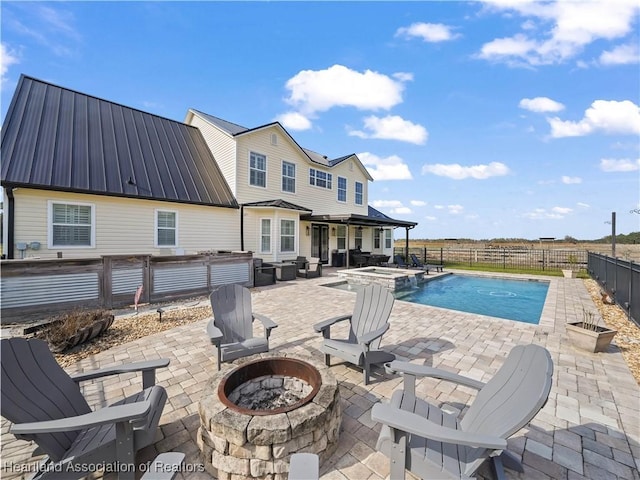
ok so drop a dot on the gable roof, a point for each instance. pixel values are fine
(58, 139)
(235, 130)
(277, 203)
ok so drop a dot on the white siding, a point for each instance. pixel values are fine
(125, 226)
(319, 200)
(223, 148)
(252, 219)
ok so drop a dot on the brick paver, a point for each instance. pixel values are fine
(590, 427)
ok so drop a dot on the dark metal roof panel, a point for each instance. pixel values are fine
(278, 203)
(59, 139)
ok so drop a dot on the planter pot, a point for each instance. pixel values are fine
(592, 341)
(85, 334)
(569, 273)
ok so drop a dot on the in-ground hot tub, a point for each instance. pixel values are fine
(256, 413)
(392, 278)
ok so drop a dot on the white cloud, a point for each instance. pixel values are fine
(555, 213)
(8, 57)
(388, 168)
(455, 209)
(430, 218)
(621, 55)
(458, 172)
(386, 204)
(607, 116)
(619, 165)
(571, 180)
(555, 32)
(401, 210)
(418, 203)
(439, 207)
(313, 91)
(583, 205)
(540, 105)
(429, 32)
(294, 121)
(392, 127)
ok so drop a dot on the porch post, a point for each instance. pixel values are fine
(406, 245)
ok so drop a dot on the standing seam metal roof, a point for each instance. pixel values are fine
(59, 139)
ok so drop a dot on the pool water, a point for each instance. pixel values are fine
(519, 300)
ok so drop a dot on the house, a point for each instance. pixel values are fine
(85, 177)
(294, 201)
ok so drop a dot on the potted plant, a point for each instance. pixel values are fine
(588, 335)
(76, 327)
(572, 271)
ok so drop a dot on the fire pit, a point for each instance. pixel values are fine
(255, 414)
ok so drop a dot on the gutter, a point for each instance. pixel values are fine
(242, 228)
(10, 222)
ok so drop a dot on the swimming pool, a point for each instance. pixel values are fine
(520, 300)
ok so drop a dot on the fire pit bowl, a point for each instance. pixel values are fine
(257, 412)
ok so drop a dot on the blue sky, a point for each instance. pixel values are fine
(476, 119)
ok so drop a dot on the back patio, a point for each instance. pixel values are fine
(589, 428)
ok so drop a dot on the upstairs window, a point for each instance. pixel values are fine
(288, 177)
(359, 193)
(257, 170)
(71, 225)
(342, 189)
(320, 178)
(166, 228)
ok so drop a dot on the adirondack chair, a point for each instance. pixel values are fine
(231, 328)
(432, 443)
(46, 406)
(311, 268)
(368, 323)
(426, 266)
(399, 261)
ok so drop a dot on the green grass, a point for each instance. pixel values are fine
(479, 267)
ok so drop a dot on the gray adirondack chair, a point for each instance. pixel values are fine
(46, 406)
(432, 443)
(368, 323)
(231, 328)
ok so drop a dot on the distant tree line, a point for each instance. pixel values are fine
(621, 238)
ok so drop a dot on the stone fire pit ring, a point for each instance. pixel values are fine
(240, 443)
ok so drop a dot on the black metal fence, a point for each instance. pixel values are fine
(506, 258)
(620, 279)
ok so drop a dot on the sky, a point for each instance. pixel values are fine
(481, 119)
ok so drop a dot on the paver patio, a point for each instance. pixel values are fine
(590, 427)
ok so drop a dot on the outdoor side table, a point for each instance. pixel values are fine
(285, 270)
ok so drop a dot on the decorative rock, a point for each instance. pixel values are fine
(269, 429)
(306, 419)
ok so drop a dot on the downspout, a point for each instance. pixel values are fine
(242, 228)
(10, 222)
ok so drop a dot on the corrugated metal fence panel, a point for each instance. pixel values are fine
(48, 289)
(223, 273)
(126, 281)
(167, 280)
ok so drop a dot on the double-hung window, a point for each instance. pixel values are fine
(265, 235)
(376, 238)
(387, 238)
(71, 225)
(287, 235)
(166, 228)
(257, 170)
(342, 189)
(359, 193)
(341, 237)
(357, 241)
(320, 178)
(288, 177)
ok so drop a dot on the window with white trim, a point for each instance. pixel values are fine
(387, 238)
(376, 238)
(359, 193)
(320, 178)
(341, 237)
(166, 228)
(287, 235)
(288, 177)
(342, 189)
(357, 241)
(71, 225)
(265, 235)
(257, 170)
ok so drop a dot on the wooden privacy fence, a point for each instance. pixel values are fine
(620, 279)
(521, 258)
(30, 289)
